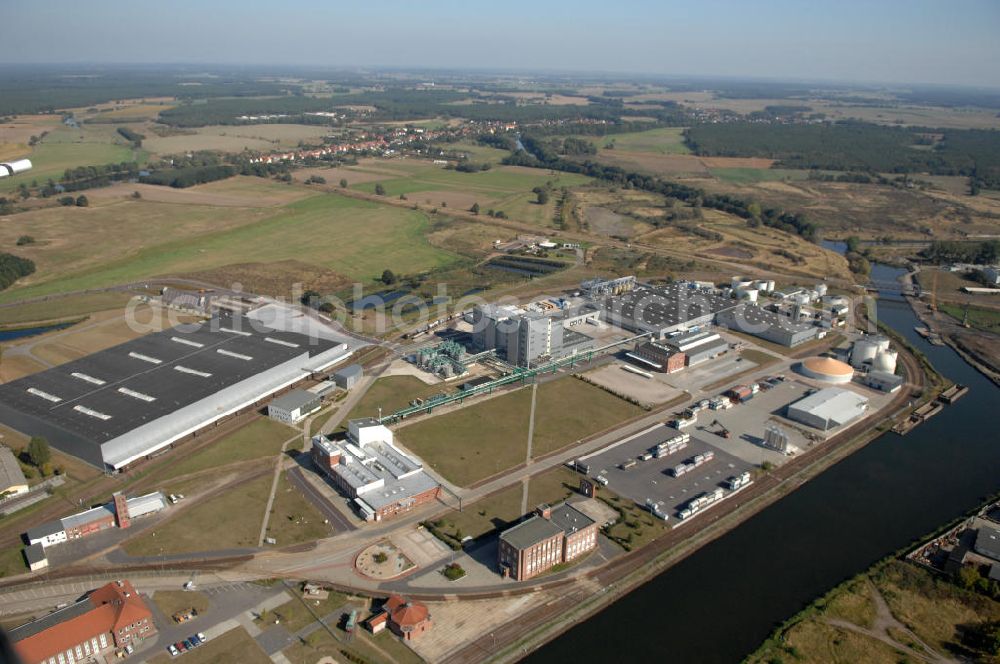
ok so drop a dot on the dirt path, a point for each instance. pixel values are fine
(884, 621)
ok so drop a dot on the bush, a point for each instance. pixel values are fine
(379, 190)
(453, 572)
(380, 557)
(81, 201)
(25, 239)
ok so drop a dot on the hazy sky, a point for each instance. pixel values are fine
(943, 41)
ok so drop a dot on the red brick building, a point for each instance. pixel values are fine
(667, 359)
(110, 617)
(553, 535)
(408, 619)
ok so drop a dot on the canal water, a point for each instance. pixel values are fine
(720, 603)
(20, 333)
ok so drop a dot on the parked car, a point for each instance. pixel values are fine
(187, 644)
(180, 646)
(194, 640)
(173, 650)
(202, 637)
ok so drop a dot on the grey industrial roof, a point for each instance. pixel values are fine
(665, 306)
(74, 610)
(294, 399)
(398, 490)
(349, 371)
(44, 530)
(34, 553)
(988, 542)
(530, 532)
(109, 393)
(749, 316)
(10, 469)
(569, 519)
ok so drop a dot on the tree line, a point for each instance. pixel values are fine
(13, 268)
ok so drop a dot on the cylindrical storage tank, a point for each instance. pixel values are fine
(751, 294)
(886, 361)
(864, 350)
(882, 343)
(801, 298)
(770, 285)
(735, 282)
(821, 289)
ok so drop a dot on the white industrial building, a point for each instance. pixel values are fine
(828, 408)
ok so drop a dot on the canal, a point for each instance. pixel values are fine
(720, 603)
(22, 332)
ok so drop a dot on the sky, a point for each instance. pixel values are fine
(883, 41)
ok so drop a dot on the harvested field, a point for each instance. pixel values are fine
(278, 279)
(235, 138)
(353, 175)
(239, 191)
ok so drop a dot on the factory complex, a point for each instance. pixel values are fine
(123, 404)
(379, 478)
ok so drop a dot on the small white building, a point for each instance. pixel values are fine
(293, 406)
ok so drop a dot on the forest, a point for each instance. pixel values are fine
(856, 146)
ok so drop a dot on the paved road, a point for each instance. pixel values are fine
(297, 477)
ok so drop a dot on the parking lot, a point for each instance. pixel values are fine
(650, 479)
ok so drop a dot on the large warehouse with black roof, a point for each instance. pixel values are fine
(119, 405)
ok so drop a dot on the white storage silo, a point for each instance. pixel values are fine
(883, 343)
(735, 282)
(821, 289)
(864, 350)
(770, 285)
(885, 361)
(751, 295)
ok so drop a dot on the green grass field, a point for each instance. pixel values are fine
(392, 393)
(504, 507)
(666, 140)
(472, 443)
(293, 517)
(355, 238)
(68, 148)
(241, 509)
(260, 438)
(987, 320)
(491, 186)
(294, 615)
